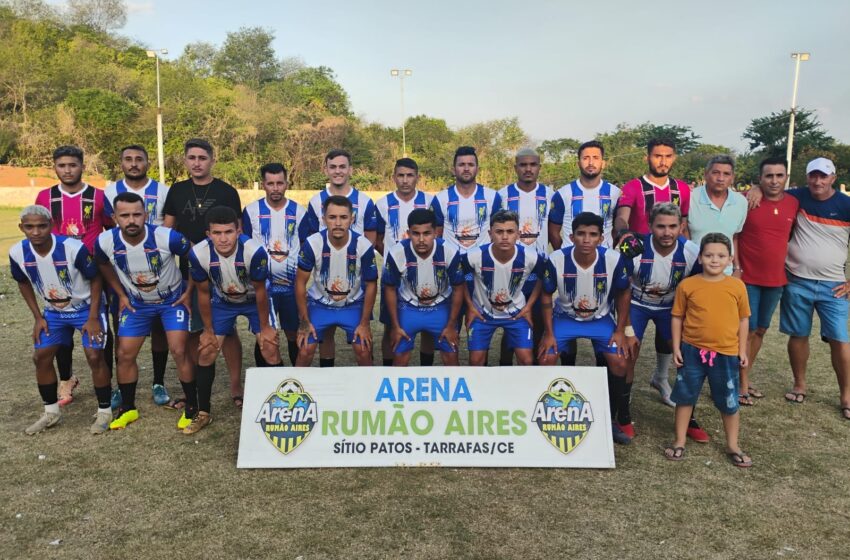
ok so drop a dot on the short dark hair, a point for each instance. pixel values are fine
(221, 215)
(588, 219)
(128, 197)
(198, 143)
(337, 153)
(502, 216)
(591, 144)
(465, 151)
(715, 237)
(659, 142)
(337, 200)
(778, 160)
(420, 217)
(406, 162)
(68, 151)
(273, 168)
(136, 147)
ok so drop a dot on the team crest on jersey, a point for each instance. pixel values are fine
(288, 416)
(563, 415)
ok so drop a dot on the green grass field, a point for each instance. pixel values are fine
(150, 492)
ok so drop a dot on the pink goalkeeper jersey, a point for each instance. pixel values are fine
(82, 215)
(639, 191)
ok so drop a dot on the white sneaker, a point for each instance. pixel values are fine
(101, 422)
(47, 420)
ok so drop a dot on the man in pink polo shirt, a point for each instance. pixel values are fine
(80, 211)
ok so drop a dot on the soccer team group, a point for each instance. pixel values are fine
(590, 260)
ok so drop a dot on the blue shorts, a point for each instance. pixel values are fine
(598, 331)
(196, 324)
(801, 298)
(224, 317)
(287, 311)
(61, 327)
(383, 314)
(722, 372)
(140, 323)
(324, 316)
(432, 319)
(641, 316)
(517, 331)
(763, 302)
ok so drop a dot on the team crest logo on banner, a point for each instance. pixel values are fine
(563, 415)
(288, 416)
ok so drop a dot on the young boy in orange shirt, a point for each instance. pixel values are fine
(710, 326)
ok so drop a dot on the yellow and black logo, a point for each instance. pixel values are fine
(563, 415)
(288, 416)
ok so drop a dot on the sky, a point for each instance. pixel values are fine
(564, 68)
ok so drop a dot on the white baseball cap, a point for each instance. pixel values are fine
(821, 164)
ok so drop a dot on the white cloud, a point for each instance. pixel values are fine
(139, 8)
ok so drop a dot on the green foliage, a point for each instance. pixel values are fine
(769, 135)
(247, 57)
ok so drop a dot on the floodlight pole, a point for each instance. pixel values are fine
(160, 151)
(401, 74)
(799, 57)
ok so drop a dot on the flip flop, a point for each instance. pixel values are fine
(672, 453)
(238, 401)
(176, 404)
(745, 400)
(738, 460)
(795, 397)
(754, 393)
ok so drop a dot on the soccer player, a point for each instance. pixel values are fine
(499, 271)
(391, 214)
(278, 223)
(63, 272)
(463, 209)
(532, 202)
(341, 263)
(138, 261)
(667, 259)
(423, 287)
(135, 165)
(589, 193)
(338, 170)
(80, 211)
(185, 210)
(638, 197)
(230, 272)
(588, 284)
(760, 252)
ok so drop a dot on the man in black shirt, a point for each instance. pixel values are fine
(185, 210)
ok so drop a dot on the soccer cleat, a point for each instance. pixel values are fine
(184, 422)
(618, 435)
(160, 395)
(101, 422)
(116, 400)
(47, 420)
(125, 418)
(199, 422)
(66, 390)
(628, 429)
(697, 434)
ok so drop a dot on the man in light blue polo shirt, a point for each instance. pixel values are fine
(715, 207)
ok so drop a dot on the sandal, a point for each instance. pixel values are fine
(754, 393)
(674, 453)
(745, 400)
(795, 397)
(176, 404)
(238, 401)
(740, 459)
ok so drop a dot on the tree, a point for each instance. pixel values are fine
(100, 15)
(313, 87)
(683, 136)
(247, 57)
(199, 58)
(555, 151)
(768, 136)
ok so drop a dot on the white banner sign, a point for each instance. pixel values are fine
(431, 416)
